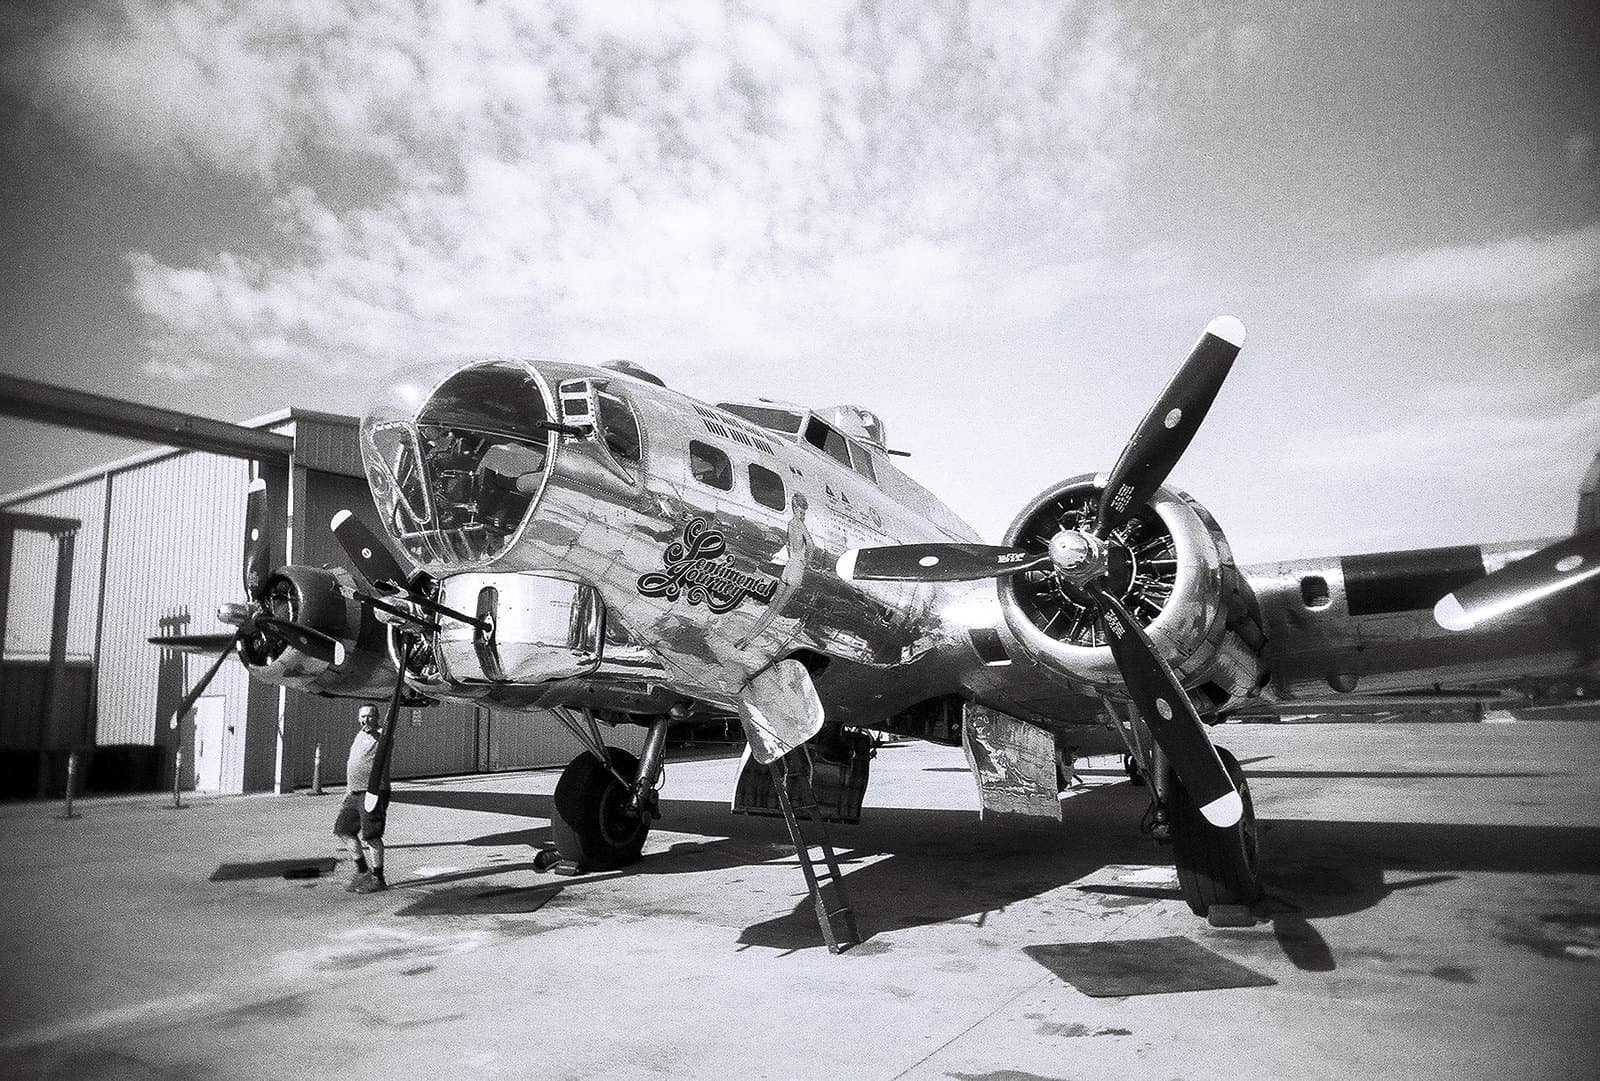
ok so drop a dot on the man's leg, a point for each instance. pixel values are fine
(374, 848)
(372, 823)
(346, 827)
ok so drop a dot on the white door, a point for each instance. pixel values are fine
(209, 734)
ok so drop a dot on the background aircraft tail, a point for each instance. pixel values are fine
(1589, 498)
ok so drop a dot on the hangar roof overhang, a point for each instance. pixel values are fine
(292, 436)
(49, 404)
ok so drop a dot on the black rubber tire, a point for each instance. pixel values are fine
(1215, 866)
(593, 826)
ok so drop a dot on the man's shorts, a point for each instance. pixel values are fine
(353, 814)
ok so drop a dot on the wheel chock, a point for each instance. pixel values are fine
(1230, 916)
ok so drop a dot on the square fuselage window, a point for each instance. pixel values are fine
(767, 488)
(710, 466)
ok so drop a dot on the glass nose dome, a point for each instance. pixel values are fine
(457, 457)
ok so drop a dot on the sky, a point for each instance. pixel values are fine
(1000, 226)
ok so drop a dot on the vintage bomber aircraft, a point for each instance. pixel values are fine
(589, 541)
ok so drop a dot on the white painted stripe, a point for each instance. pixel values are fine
(1449, 614)
(1228, 328)
(1224, 811)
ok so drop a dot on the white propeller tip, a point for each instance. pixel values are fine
(338, 520)
(1449, 614)
(847, 565)
(1228, 328)
(258, 485)
(1224, 811)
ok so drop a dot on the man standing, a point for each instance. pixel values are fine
(356, 826)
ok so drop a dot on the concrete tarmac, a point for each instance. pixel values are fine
(1433, 911)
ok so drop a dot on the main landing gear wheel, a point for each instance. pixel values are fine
(1215, 866)
(593, 824)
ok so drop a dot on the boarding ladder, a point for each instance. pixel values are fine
(803, 816)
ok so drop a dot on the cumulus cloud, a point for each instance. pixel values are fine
(733, 177)
(1547, 265)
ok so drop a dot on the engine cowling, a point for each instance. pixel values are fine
(322, 599)
(1169, 565)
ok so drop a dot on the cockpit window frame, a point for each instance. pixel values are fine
(831, 437)
(604, 428)
(861, 460)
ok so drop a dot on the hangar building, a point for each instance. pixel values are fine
(150, 545)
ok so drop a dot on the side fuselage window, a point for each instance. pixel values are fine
(767, 488)
(620, 428)
(710, 466)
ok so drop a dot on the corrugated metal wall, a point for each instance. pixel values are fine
(173, 554)
(516, 740)
(327, 443)
(33, 573)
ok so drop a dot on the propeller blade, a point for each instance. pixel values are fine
(378, 783)
(1167, 428)
(935, 562)
(196, 643)
(1546, 572)
(188, 700)
(1168, 713)
(313, 643)
(257, 541)
(368, 554)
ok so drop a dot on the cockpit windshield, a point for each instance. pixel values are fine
(457, 458)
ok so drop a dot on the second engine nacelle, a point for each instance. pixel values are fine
(1169, 565)
(324, 600)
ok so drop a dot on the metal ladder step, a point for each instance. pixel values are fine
(795, 768)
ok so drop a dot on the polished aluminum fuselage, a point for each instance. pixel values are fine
(703, 585)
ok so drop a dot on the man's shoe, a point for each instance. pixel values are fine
(371, 884)
(356, 881)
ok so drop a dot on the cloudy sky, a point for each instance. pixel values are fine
(998, 225)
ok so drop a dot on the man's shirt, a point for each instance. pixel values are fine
(358, 770)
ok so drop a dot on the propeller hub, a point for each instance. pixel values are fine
(236, 615)
(1078, 557)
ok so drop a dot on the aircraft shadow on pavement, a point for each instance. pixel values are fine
(1315, 869)
(945, 866)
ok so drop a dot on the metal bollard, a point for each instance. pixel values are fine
(316, 771)
(72, 781)
(177, 778)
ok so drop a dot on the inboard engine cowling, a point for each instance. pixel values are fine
(1171, 567)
